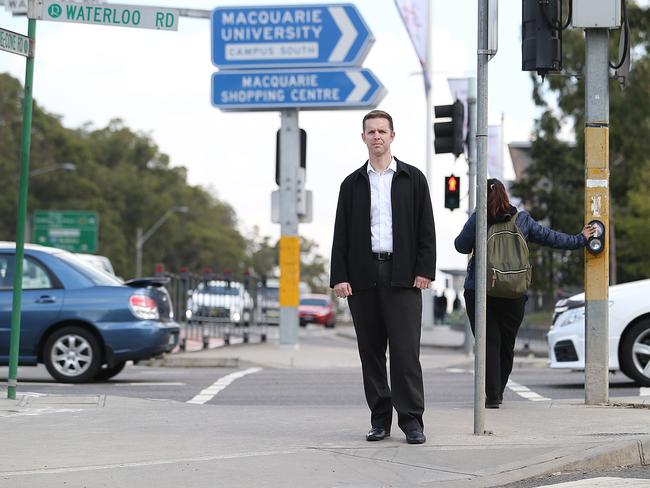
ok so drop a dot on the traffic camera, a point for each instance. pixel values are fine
(449, 134)
(452, 192)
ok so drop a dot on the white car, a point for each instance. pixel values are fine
(629, 331)
(100, 262)
(221, 301)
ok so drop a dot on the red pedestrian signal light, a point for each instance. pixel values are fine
(452, 192)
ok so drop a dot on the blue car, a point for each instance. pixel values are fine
(82, 323)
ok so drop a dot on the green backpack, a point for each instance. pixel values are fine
(508, 270)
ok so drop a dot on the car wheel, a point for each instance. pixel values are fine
(72, 355)
(635, 353)
(107, 373)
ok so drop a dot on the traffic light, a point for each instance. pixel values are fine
(449, 135)
(452, 192)
(303, 153)
(541, 34)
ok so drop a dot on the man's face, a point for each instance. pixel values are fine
(377, 136)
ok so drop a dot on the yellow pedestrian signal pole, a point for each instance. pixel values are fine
(597, 213)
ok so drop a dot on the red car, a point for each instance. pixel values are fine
(317, 309)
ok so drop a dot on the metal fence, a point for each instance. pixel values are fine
(228, 307)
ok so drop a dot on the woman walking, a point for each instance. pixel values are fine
(504, 315)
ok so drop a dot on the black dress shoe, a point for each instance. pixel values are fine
(377, 434)
(492, 403)
(415, 437)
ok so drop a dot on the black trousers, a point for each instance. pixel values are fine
(503, 319)
(390, 316)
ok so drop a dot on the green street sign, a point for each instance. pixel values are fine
(116, 15)
(73, 230)
(14, 43)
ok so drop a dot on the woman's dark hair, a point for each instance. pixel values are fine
(497, 198)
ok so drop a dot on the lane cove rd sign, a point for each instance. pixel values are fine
(289, 36)
(14, 43)
(158, 18)
(270, 89)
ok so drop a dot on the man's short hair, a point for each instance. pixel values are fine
(378, 114)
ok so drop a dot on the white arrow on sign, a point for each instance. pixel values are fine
(361, 86)
(348, 34)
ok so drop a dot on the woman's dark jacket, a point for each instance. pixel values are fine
(529, 227)
(414, 237)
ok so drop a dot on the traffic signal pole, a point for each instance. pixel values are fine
(480, 264)
(597, 208)
(468, 343)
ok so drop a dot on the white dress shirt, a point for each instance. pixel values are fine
(381, 211)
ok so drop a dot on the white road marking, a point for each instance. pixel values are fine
(603, 483)
(159, 462)
(211, 391)
(644, 391)
(525, 392)
(458, 370)
(521, 390)
(33, 412)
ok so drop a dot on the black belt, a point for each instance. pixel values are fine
(382, 256)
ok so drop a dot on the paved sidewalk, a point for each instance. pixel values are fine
(97, 441)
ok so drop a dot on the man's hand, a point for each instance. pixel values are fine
(343, 290)
(421, 282)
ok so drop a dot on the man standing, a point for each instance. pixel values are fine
(383, 255)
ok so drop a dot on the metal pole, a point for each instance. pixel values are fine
(289, 241)
(597, 208)
(427, 295)
(480, 263)
(471, 163)
(138, 252)
(14, 347)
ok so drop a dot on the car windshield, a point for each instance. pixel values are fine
(221, 290)
(95, 275)
(318, 302)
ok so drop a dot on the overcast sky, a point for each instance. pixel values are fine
(159, 84)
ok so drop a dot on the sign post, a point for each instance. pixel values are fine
(14, 341)
(289, 257)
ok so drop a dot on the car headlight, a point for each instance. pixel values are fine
(236, 317)
(570, 316)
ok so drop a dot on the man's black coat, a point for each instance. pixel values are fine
(414, 236)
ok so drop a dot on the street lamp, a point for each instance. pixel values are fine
(53, 167)
(40, 171)
(141, 238)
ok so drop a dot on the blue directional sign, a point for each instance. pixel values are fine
(305, 89)
(289, 36)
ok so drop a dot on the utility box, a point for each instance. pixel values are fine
(601, 14)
